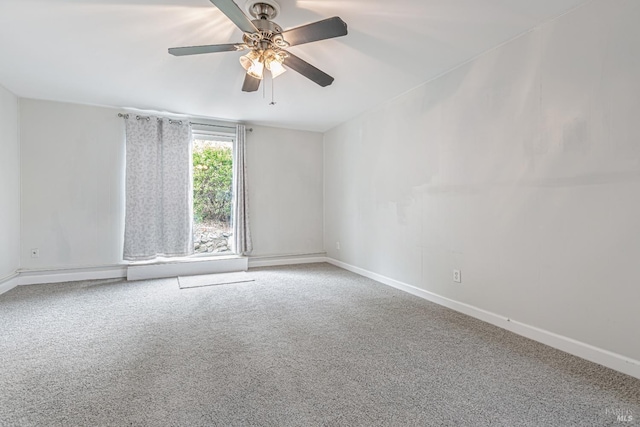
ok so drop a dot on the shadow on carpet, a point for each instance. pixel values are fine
(188, 282)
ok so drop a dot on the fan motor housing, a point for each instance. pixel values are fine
(266, 26)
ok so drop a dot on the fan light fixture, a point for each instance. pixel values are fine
(255, 62)
(267, 43)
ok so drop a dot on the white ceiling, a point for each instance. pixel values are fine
(114, 53)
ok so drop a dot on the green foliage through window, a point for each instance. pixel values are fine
(212, 181)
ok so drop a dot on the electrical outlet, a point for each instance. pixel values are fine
(457, 276)
(338, 245)
(35, 253)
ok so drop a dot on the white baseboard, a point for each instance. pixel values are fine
(36, 277)
(568, 345)
(9, 282)
(131, 272)
(274, 261)
(186, 268)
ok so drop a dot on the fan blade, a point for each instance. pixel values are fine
(321, 30)
(251, 84)
(308, 70)
(235, 14)
(196, 50)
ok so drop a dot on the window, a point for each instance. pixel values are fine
(213, 199)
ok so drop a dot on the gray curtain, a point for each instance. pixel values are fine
(241, 232)
(159, 218)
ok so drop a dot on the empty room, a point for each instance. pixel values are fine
(319, 213)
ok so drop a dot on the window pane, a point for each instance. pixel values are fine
(212, 196)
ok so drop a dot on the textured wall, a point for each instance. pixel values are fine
(285, 189)
(9, 184)
(521, 168)
(72, 184)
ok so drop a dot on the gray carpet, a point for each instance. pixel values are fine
(309, 345)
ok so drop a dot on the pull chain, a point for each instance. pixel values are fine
(273, 102)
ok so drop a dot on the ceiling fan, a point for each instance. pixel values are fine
(266, 42)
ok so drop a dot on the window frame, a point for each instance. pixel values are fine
(223, 133)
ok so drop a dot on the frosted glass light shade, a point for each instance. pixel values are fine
(256, 70)
(276, 68)
(249, 59)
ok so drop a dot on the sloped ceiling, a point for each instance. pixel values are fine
(114, 53)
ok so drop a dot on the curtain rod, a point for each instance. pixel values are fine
(126, 116)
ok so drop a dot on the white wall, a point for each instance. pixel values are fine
(285, 170)
(9, 184)
(521, 168)
(72, 185)
(73, 163)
